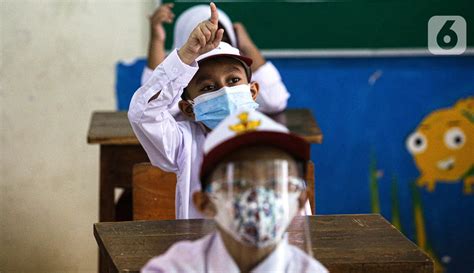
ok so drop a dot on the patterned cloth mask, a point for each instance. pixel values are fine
(258, 216)
(211, 108)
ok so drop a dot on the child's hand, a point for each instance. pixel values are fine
(204, 38)
(163, 14)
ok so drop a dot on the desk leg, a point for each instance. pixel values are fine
(116, 165)
(106, 197)
(106, 188)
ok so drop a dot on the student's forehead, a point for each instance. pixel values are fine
(250, 163)
(258, 152)
(250, 159)
(220, 64)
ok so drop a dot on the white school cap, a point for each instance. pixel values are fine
(248, 128)
(191, 17)
(225, 50)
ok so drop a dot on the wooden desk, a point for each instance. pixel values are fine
(343, 243)
(120, 149)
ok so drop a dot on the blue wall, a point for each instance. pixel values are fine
(363, 120)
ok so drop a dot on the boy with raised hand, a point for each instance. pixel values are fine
(273, 95)
(213, 81)
(252, 186)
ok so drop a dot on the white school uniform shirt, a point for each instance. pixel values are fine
(173, 146)
(273, 95)
(209, 255)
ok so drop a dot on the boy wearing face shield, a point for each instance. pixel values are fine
(210, 80)
(252, 187)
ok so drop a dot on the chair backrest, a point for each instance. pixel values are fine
(153, 193)
(310, 185)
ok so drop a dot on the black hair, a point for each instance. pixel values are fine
(184, 95)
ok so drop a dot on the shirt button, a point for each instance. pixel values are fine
(175, 70)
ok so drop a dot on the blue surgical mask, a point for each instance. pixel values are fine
(211, 108)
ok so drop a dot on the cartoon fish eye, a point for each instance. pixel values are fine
(416, 143)
(454, 138)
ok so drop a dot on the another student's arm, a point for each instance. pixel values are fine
(156, 48)
(158, 132)
(247, 47)
(156, 45)
(273, 95)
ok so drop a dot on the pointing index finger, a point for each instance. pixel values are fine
(214, 15)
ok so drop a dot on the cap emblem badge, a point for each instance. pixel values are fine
(244, 125)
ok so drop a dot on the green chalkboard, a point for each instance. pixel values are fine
(354, 24)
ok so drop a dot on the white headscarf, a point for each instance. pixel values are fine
(191, 17)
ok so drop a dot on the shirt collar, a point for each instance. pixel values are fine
(276, 261)
(219, 259)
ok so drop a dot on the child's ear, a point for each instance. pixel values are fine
(203, 204)
(303, 198)
(186, 108)
(254, 88)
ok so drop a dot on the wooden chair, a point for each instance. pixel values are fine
(310, 185)
(154, 192)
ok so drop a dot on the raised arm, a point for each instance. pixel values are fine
(158, 132)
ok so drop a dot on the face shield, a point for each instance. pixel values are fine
(256, 201)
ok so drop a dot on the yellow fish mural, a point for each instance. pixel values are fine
(443, 146)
